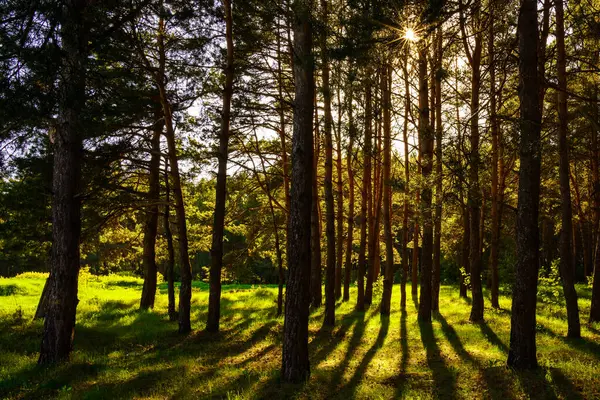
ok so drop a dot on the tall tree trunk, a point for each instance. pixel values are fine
(329, 204)
(295, 364)
(60, 312)
(339, 260)
(388, 278)
(216, 252)
(437, 243)
(417, 230)
(566, 253)
(495, 242)
(426, 146)
(173, 314)
(185, 290)
(595, 307)
(315, 240)
(365, 211)
(474, 194)
(405, 228)
(522, 352)
(349, 159)
(373, 207)
(151, 226)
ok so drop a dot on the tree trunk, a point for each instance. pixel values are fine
(437, 244)
(315, 279)
(495, 242)
(59, 323)
(388, 278)
(566, 253)
(329, 204)
(595, 307)
(406, 186)
(216, 252)
(522, 352)
(185, 290)
(151, 226)
(349, 159)
(365, 211)
(173, 314)
(339, 259)
(295, 364)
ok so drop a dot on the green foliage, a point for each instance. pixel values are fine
(550, 287)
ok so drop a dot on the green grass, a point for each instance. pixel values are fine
(121, 352)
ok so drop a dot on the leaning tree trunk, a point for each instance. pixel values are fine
(566, 251)
(295, 365)
(60, 312)
(151, 226)
(329, 203)
(185, 290)
(388, 278)
(216, 252)
(426, 146)
(173, 314)
(522, 352)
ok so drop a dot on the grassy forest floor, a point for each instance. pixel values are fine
(121, 352)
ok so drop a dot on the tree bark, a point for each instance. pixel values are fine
(173, 314)
(365, 212)
(316, 279)
(216, 252)
(566, 249)
(405, 228)
(185, 290)
(522, 352)
(329, 319)
(295, 363)
(426, 145)
(59, 323)
(388, 278)
(349, 160)
(151, 226)
(437, 244)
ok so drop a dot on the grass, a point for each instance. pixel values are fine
(122, 353)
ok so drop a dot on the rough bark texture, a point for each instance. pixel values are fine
(151, 226)
(522, 352)
(388, 279)
(495, 197)
(173, 314)
(437, 243)
(349, 160)
(61, 308)
(566, 249)
(329, 319)
(595, 307)
(316, 295)
(339, 216)
(426, 145)
(365, 210)
(295, 363)
(216, 251)
(405, 254)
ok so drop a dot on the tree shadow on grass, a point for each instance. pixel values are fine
(582, 344)
(444, 379)
(491, 337)
(351, 386)
(546, 383)
(402, 377)
(36, 381)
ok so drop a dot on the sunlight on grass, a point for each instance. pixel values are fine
(121, 352)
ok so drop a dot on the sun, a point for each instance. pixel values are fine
(411, 35)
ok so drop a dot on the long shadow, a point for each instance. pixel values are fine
(496, 385)
(402, 378)
(362, 367)
(325, 341)
(444, 379)
(582, 344)
(355, 339)
(491, 337)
